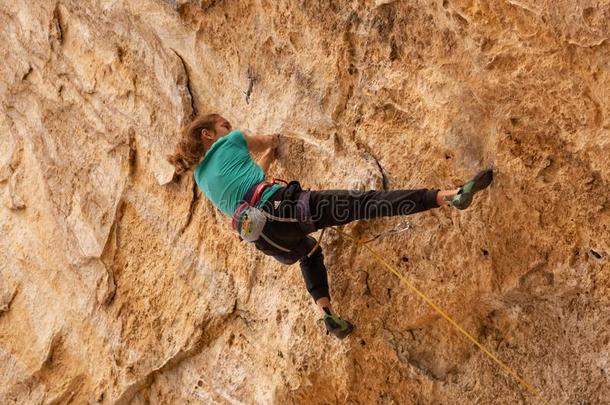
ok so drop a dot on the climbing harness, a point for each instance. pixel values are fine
(249, 220)
(529, 387)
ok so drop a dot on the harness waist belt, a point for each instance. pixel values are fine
(255, 192)
(253, 196)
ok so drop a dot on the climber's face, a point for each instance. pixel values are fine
(221, 128)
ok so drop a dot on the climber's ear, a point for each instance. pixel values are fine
(207, 134)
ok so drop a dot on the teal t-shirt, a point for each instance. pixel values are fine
(227, 172)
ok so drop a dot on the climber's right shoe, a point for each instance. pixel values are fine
(335, 325)
(465, 193)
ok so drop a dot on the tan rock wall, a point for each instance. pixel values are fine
(119, 285)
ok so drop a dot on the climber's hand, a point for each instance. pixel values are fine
(260, 143)
(275, 140)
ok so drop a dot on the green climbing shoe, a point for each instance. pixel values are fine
(464, 196)
(335, 325)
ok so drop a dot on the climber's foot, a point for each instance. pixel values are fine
(463, 198)
(335, 325)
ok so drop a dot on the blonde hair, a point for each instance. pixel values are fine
(190, 148)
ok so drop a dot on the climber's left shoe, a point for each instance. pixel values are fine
(464, 196)
(335, 325)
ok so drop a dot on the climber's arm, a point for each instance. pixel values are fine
(260, 143)
(266, 159)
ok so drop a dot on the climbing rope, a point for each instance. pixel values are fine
(529, 387)
(313, 249)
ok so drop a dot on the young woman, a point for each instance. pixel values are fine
(278, 218)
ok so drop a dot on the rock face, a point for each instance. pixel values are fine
(120, 283)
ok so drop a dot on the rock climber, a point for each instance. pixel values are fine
(278, 218)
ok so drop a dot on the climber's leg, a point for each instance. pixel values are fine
(312, 263)
(315, 274)
(316, 281)
(444, 196)
(339, 207)
(324, 302)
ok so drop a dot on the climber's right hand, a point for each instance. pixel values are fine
(260, 143)
(275, 140)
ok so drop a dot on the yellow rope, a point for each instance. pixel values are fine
(441, 312)
(313, 249)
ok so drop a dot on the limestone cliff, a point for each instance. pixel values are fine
(120, 283)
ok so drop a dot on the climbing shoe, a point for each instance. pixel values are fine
(464, 196)
(335, 325)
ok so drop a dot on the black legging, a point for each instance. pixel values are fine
(320, 209)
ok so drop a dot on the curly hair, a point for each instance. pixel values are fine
(190, 148)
